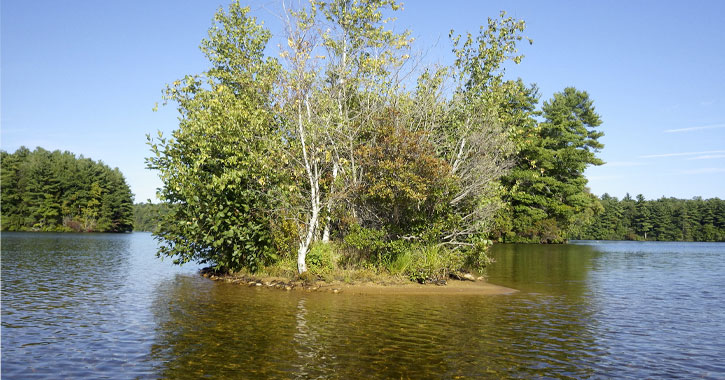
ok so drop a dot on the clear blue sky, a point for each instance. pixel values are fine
(84, 76)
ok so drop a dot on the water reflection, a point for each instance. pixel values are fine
(221, 330)
(58, 298)
(204, 329)
(101, 306)
(549, 269)
(75, 305)
(658, 305)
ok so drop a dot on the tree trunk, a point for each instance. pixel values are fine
(326, 232)
(305, 244)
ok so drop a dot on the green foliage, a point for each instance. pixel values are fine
(147, 216)
(220, 169)
(433, 263)
(547, 196)
(400, 264)
(405, 189)
(476, 257)
(321, 258)
(365, 239)
(328, 150)
(664, 219)
(56, 191)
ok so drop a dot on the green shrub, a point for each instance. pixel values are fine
(476, 257)
(368, 242)
(321, 258)
(433, 263)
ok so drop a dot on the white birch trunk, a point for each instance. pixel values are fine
(326, 232)
(314, 197)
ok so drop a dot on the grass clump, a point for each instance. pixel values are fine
(364, 257)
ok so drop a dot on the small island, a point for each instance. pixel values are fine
(340, 158)
(347, 189)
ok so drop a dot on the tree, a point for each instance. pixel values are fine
(220, 169)
(147, 216)
(272, 158)
(665, 219)
(548, 187)
(331, 99)
(405, 187)
(55, 191)
(642, 217)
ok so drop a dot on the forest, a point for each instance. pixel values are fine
(664, 219)
(343, 150)
(146, 216)
(57, 191)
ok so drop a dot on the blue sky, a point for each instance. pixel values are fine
(84, 76)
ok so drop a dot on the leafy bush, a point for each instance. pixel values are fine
(433, 263)
(321, 258)
(476, 257)
(367, 242)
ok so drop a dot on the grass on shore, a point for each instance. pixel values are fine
(335, 263)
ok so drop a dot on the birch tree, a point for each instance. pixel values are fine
(341, 64)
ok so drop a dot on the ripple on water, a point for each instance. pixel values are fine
(101, 306)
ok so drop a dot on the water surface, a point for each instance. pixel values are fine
(102, 306)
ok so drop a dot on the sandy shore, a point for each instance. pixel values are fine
(452, 287)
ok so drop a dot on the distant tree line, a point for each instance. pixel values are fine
(664, 219)
(57, 191)
(147, 216)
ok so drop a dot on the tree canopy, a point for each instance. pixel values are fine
(547, 197)
(328, 143)
(664, 219)
(57, 191)
(146, 216)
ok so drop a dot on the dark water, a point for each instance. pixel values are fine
(102, 306)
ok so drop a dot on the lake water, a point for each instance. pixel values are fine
(102, 306)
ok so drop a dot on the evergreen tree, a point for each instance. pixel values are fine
(665, 219)
(642, 217)
(55, 191)
(547, 187)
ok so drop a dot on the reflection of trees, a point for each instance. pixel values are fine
(549, 269)
(66, 255)
(555, 311)
(200, 328)
(222, 330)
(59, 302)
(77, 269)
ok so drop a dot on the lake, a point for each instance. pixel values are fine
(102, 306)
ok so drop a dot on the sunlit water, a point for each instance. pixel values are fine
(102, 306)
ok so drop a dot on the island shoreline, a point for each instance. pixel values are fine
(392, 286)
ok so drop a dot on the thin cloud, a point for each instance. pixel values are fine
(707, 157)
(700, 128)
(683, 154)
(704, 171)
